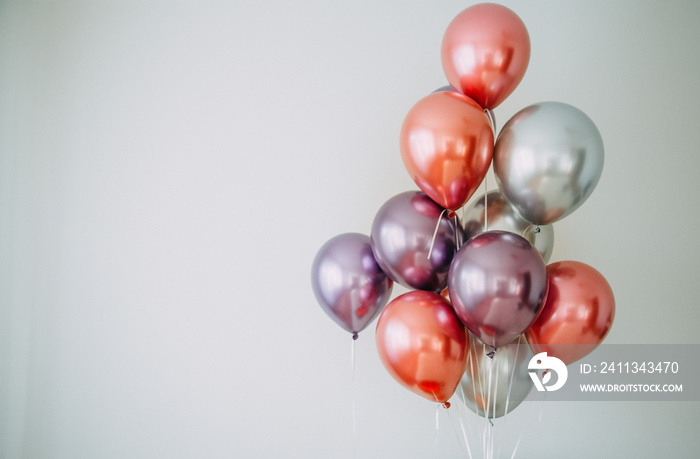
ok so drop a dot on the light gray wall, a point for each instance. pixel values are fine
(168, 171)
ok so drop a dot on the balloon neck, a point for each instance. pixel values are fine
(355, 335)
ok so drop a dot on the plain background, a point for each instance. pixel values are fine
(168, 171)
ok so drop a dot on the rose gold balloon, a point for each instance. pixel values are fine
(485, 52)
(422, 344)
(577, 313)
(446, 145)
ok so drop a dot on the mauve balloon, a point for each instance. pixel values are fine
(348, 283)
(497, 284)
(401, 234)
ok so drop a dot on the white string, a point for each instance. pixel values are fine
(486, 204)
(464, 433)
(354, 419)
(544, 395)
(495, 393)
(437, 227)
(437, 425)
(516, 446)
(510, 387)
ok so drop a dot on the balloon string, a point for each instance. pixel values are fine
(437, 227)
(464, 402)
(488, 392)
(492, 121)
(449, 415)
(490, 402)
(510, 387)
(512, 373)
(354, 418)
(461, 424)
(486, 204)
(495, 393)
(483, 406)
(517, 444)
(437, 425)
(544, 395)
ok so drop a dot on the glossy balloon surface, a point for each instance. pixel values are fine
(348, 283)
(548, 160)
(401, 235)
(422, 344)
(485, 53)
(497, 284)
(495, 386)
(577, 315)
(446, 145)
(501, 216)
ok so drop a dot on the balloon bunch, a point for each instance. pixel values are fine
(480, 285)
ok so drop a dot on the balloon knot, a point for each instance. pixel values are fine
(491, 422)
(355, 335)
(451, 214)
(446, 405)
(537, 229)
(491, 354)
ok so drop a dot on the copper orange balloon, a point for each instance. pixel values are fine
(446, 145)
(577, 314)
(485, 53)
(422, 344)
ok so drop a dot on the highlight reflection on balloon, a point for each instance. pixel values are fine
(577, 314)
(348, 283)
(497, 284)
(401, 234)
(547, 161)
(446, 145)
(501, 216)
(485, 53)
(493, 387)
(422, 344)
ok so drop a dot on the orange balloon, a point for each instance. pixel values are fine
(446, 145)
(422, 344)
(577, 314)
(485, 53)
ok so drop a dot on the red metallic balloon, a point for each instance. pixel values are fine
(422, 344)
(446, 145)
(485, 53)
(577, 313)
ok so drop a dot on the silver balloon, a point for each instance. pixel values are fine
(548, 159)
(493, 387)
(501, 216)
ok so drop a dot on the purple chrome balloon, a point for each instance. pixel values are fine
(497, 284)
(348, 283)
(401, 235)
